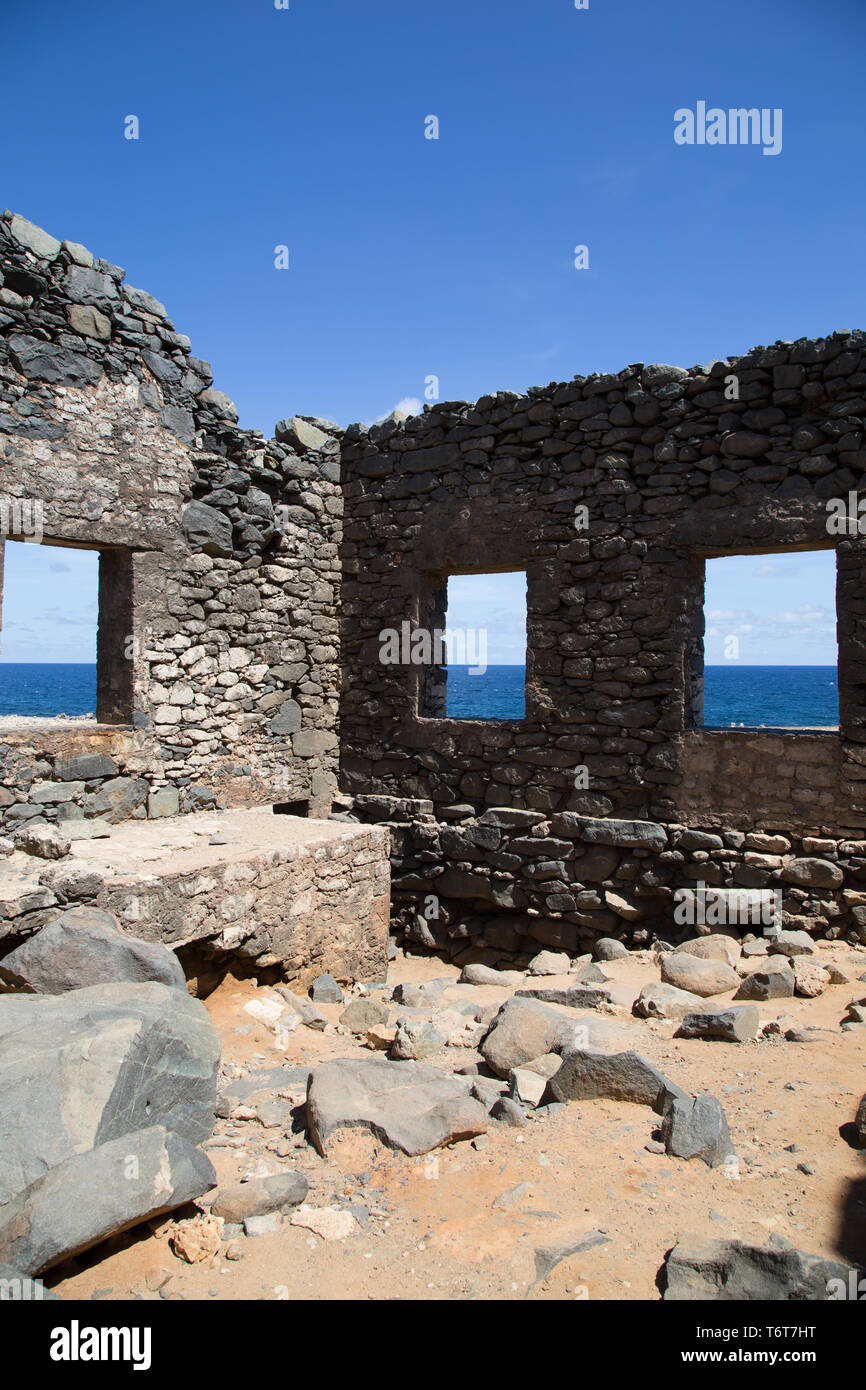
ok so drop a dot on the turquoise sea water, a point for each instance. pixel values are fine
(775, 696)
(54, 688)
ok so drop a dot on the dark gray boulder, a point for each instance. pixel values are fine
(723, 1270)
(767, 984)
(44, 361)
(80, 1069)
(118, 798)
(626, 834)
(729, 1025)
(84, 766)
(696, 1127)
(96, 1194)
(325, 990)
(83, 947)
(207, 529)
(576, 996)
(587, 1074)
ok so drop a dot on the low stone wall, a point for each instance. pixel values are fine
(85, 778)
(296, 895)
(500, 885)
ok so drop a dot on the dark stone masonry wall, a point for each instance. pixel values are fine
(219, 563)
(670, 471)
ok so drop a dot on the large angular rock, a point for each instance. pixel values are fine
(301, 434)
(142, 300)
(657, 1000)
(98, 1193)
(325, 990)
(117, 799)
(723, 1270)
(860, 1123)
(550, 963)
(84, 285)
(703, 977)
(165, 801)
(407, 1105)
(80, 1069)
(426, 995)
(363, 1014)
(219, 404)
(628, 834)
(27, 234)
(207, 529)
(696, 1127)
(730, 1025)
(713, 947)
(414, 1039)
(287, 720)
(524, 1028)
(72, 881)
(587, 1074)
(85, 946)
(791, 943)
(43, 361)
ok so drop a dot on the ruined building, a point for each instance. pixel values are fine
(244, 583)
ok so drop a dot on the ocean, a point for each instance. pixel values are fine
(774, 696)
(48, 688)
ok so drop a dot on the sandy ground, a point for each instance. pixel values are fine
(466, 1221)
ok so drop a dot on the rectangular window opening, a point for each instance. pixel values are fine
(766, 653)
(483, 674)
(66, 643)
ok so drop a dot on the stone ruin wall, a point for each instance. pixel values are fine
(222, 558)
(219, 566)
(670, 472)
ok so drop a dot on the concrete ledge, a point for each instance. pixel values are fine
(304, 895)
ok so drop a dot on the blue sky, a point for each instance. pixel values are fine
(49, 603)
(452, 258)
(780, 610)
